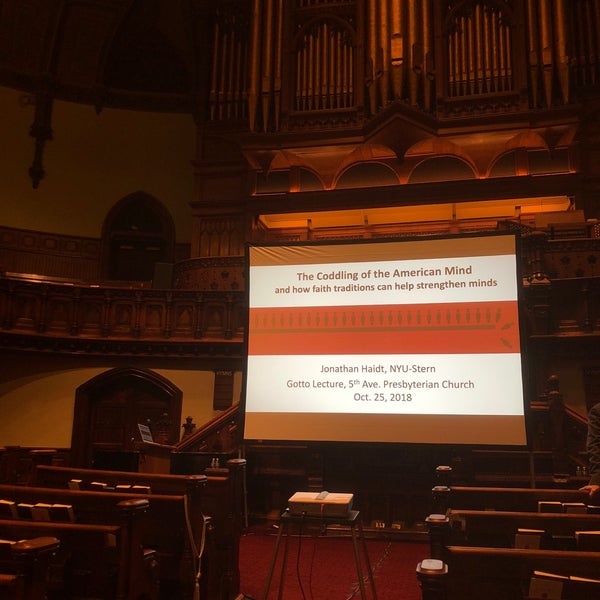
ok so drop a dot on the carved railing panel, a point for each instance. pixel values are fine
(41, 252)
(572, 258)
(220, 273)
(561, 294)
(68, 312)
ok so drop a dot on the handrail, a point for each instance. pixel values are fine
(196, 440)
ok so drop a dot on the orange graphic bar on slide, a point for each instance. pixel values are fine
(456, 328)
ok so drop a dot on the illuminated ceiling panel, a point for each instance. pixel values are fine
(489, 209)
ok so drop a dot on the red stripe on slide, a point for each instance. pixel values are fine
(469, 327)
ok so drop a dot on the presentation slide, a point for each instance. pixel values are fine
(412, 341)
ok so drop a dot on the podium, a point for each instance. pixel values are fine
(154, 457)
(352, 520)
(146, 457)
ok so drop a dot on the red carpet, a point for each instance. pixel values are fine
(324, 568)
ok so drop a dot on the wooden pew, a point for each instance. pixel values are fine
(24, 567)
(218, 495)
(467, 520)
(224, 500)
(190, 487)
(127, 513)
(501, 498)
(473, 573)
(165, 527)
(59, 477)
(500, 529)
(93, 561)
(17, 463)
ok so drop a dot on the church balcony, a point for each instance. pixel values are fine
(42, 314)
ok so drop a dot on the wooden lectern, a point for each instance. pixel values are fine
(154, 457)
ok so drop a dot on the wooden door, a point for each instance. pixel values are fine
(109, 407)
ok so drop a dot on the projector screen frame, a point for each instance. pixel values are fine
(524, 417)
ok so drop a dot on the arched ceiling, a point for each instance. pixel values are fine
(117, 53)
(154, 55)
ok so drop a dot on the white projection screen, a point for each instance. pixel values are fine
(412, 341)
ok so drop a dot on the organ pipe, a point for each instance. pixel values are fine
(561, 50)
(278, 65)
(595, 53)
(546, 36)
(427, 54)
(324, 68)
(508, 51)
(412, 43)
(372, 60)
(385, 53)
(561, 41)
(255, 54)
(465, 55)
(267, 61)
(226, 85)
(479, 47)
(502, 61)
(324, 79)
(487, 41)
(479, 53)
(331, 68)
(311, 72)
(458, 61)
(451, 65)
(214, 74)
(239, 78)
(397, 50)
(494, 51)
(533, 52)
(580, 44)
(299, 80)
(349, 76)
(592, 22)
(471, 53)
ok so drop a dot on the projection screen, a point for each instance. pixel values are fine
(413, 341)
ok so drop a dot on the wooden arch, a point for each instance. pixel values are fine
(109, 407)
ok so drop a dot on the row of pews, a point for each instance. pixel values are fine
(107, 535)
(24, 567)
(511, 543)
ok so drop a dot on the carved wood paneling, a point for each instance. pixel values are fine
(576, 305)
(215, 274)
(69, 310)
(57, 256)
(49, 254)
(572, 258)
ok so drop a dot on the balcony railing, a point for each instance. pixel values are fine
(66, 316)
